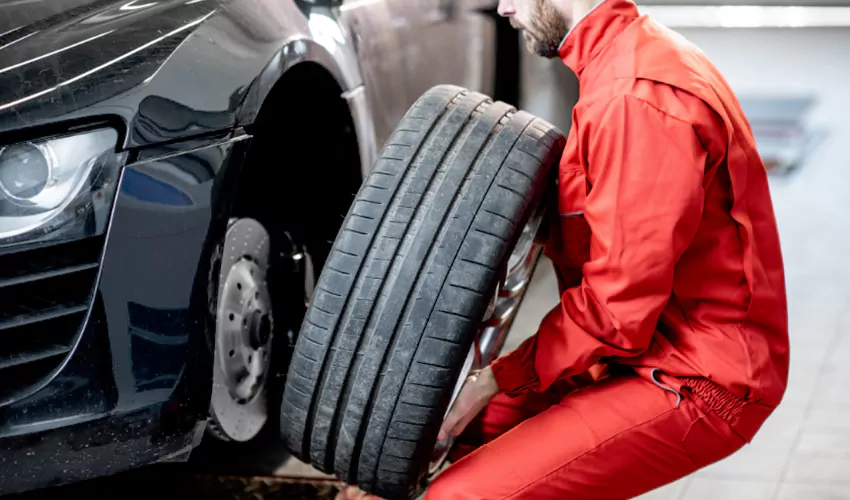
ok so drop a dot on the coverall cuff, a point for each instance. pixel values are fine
(514, 372)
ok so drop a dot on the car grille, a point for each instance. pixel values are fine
(45, 295)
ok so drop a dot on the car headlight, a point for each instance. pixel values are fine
(58, 188)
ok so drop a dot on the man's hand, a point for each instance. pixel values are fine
(476, 392)
(354, 493)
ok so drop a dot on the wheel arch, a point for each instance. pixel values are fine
(306, 158)
(281, 179)
(329, 59)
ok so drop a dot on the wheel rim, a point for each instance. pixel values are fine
(442, 448)
(496, 321)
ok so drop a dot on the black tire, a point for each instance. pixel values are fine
(408, 280)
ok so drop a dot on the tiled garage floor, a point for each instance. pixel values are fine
(803, 451)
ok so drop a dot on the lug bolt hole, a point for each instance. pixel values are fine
(232, 353)
(239, 286)
(250, 358)
(256, 295)
(232, 317)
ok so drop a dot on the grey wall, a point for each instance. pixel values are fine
(813, 206)
(549, 89)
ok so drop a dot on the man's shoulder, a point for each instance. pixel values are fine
(657, 46)
(665, 57)
(656, 96)
(647, 96)
(666, 71)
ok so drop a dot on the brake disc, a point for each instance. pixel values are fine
(243, 338)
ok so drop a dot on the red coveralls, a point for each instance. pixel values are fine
(669, 347)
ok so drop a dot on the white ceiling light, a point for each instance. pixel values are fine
(748, 16)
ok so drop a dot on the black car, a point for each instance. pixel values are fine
(170, 169)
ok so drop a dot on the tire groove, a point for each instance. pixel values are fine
(380, 304)
(304, 355)
(383, 369)
(498, 215)
(520, 172)
(346, 253)
(417, 405)
(445, 224)
(327, 457)
(312, 341)
(485, 266)
(311, 323)
(488, 233)
(468, 289)
(450, 313)
(329, 292)
(448, 341)
(377, 385)
(428, 319)
(323, 310)
(344, 273)
(512, 190)
(307, 433)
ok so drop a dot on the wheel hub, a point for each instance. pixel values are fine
(244, 331)
(260, 326)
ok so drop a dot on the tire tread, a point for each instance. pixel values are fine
(412, 268)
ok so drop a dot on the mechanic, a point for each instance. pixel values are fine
(669, 347)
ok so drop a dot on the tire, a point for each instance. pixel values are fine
(409, 279)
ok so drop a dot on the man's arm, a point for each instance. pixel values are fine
(644, 208)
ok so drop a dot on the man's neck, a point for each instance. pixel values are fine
(577, 10)
(595, 30)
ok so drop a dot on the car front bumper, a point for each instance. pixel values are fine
(133, 384)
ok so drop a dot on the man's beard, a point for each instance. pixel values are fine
(547, 31)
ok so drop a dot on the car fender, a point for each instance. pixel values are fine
(171, 70)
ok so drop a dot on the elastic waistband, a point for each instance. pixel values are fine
(745, 417)
(719, 399)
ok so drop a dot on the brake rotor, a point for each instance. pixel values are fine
(243, 339)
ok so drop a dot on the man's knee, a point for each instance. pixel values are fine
(453, 486)
(438, 490)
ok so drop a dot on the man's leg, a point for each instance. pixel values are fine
(619, 438)
(503, 413)
(499, 416)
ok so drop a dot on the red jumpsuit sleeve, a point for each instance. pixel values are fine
(646, 169)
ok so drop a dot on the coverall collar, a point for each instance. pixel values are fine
(595, 31)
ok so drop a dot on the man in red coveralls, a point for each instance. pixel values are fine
(669, 347)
